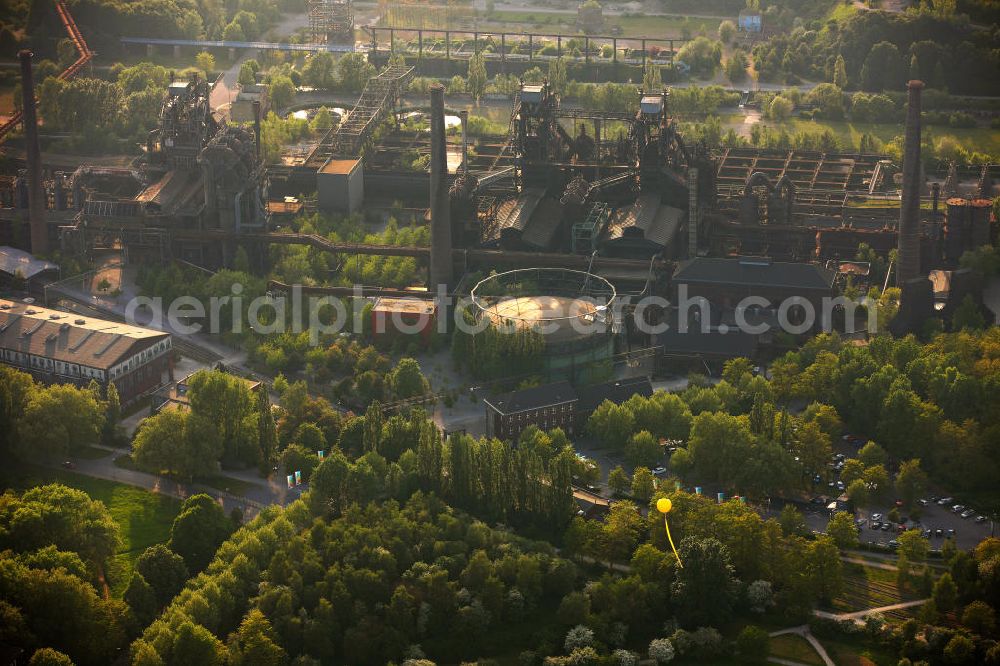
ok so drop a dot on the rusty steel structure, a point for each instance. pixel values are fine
(84, 56)
(331, 20)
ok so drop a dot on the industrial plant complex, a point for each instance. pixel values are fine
(573, 215)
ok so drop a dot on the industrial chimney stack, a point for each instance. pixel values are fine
(441, 260)
(909, 209)
(256, 126)
(36, 193)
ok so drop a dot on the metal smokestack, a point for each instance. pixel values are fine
(36, 195)
(441, 264)
(909, 209)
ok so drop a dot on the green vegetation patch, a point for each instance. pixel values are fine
(794, 648)
(144, 517)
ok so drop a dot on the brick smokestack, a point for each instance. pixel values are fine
(909, 209)
(256, 126)
(441, 262)
(36, 194)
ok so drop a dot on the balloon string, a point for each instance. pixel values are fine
(671, 540)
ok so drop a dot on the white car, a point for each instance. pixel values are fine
(657, 471)
(876, 517)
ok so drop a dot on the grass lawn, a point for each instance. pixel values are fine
(868, 587)
(794, 648)
(92, 453)
(144, 518)
(854, 653)
(228, 484)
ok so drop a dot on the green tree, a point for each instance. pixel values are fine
(178, 442)
(257, 642)
(477, 78)
(355, 70)
(205, 61)
(282, 92)
(49, 657)
(780, 108)
(911, 482)
(883, 68)
(643, 484)
(727, 31)
(56, 515)
(141, 598)
(872, 454)
(824, 568)
(198, 530)
(858, 493)
(298, 458)
(945, 594)
(840, 73)
(792, 522)
(618, 481)
(320, 71)
(959, 651)
(980, 618)
(15, 389)
(267, 433)
(612, 424)
(247, 75)
(652, 79)
(225, 401)
(194, 644)
(406, 380)
(842, 530)
(704, 589)
(753, 645)
(58, 420)
(164, 571)
(643, 449)
(557, 76)
(620, 532)
(328, 489)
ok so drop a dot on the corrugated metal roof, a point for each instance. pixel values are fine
(516, 216)
(543, 224)
(69, 337)
(533, 398)
(18, 262)
(655, 222)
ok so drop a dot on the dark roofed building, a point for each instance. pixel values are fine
(68, 348)
(548, 406)
(556, 405)
(645, 228)
(617, 391)
(726, 282)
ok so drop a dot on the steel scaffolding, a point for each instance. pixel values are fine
(330, 20)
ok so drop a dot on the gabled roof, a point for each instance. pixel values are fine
(69, 337)
(754, 272)
(656, 222)
(535, 397)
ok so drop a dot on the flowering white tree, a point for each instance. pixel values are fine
(626, 657)
(578, 637)
(661, 650)
(760, 596)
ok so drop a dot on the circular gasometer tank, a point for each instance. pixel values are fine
(571, 310)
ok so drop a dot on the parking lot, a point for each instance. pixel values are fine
(940, 520)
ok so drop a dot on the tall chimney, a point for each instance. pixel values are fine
(36, 195)
(256, 125)
(441, 262)
(909, 209)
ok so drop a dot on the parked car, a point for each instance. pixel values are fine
(886, 527)
(876, 516)
(939, 533)
(944, 501)
(69, 464)
(952, 533)
(657, 471)
(927, 534)
(958, 508)
(875, 524)
(922, 502)
(840, 485)
(893, 544)
(968, 513)
(817, 479)
(980, 519)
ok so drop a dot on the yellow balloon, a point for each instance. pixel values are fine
(663, 505)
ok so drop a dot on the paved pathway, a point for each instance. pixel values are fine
(803, 631)
(260, 494)
(861, 614)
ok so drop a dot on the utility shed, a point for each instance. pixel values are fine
(340, 185)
